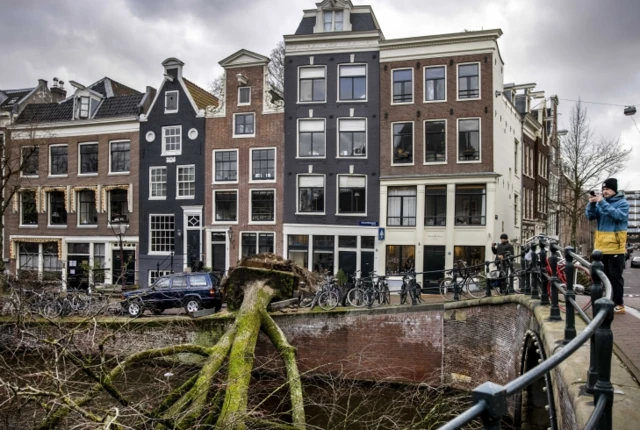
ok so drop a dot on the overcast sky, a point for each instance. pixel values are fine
(588, 49)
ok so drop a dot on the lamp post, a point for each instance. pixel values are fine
(119, 225)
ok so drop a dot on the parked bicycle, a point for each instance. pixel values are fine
(468, 282)
(327, 297)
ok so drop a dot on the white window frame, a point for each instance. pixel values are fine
(77, 211)
(164, 144)
(413, 86)
(479, 160)
(80, 158)
(244, 136)
(324, 179)
(151, 197)
(332, 12)
(79, 110)
(257, 233)
(108, 197)
(111, 173)
(458, 81)
(213, 167)
(366, 197)
(166, 93)
(160, 274)
(20, 194)
(424, 142)
(50, 212)
(275, 165)
(213, 206)
(275, 199)
(175, 236)
(413, 143)
(366, 138)
(244, 104)
(424, 83)
(187, 166)
(64, 175)
(318, 157)
(366, 83)
(298, 101)
(31, 148)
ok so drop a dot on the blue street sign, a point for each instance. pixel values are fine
(369, 223)
(381, 233)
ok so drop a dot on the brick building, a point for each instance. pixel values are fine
(244, 177)
(633, 232)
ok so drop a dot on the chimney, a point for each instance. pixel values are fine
(58, 93)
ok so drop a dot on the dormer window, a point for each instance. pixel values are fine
(170, 101)
(333, 20)
(83, 107)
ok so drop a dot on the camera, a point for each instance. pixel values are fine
(593, 193)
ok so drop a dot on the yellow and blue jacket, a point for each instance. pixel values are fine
(613, 217)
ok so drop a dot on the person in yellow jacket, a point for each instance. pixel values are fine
(611, 210)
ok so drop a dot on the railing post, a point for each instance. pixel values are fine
(604, 351)
(509, 258)
(535, 272)
(495, 397)
(569, 271)
(456, 292)
(525, 266)
(596, 293)
(554, 315)
(487, 265)
(544, 294)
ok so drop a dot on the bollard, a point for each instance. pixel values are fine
(569, 272)
(495, 397)
(456, 293)
(604, 352)
(535, 273)
(554, 314)
(488, 281)
(509, 258)
(597, 290)
(544, 293)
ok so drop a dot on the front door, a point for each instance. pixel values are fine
(347, 262)
(218, 252)
(77, 276)
(193, 250)
(129, 271)
(366, 262)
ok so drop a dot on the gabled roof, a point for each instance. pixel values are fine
(109, 88)
(46, 112)
(14, 97)
(244, 57)
(201, 97)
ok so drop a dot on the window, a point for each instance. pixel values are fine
(333, 20)
(468, 81)
(403, 143)
(435, 211)
(353, 138)
(88, 158)
(30, 160)
(82, 107)
(311, 194)
(186, 176)
(58, 158)
(244, 96)
(198, 281)
(120, 157)
(154, 275)
(352, 194)
(400, 258)
(353, 82)
(172, 140)
(435, 138)
(28, 212)
(470, 205)
(57, 210)
(263, 164)
(515, 209)
(257, 243)
(170, 101)
(347, 241)
(298, 249)
(157, 182)
(311, 138)
(161, 233)
(468, 139)
(226, 206)
(516, 156)
(403, 86)
(88, 214)
(29, 255)
(312, 84)
(435, 84)
(118, 204)
(323, 253)
(472, 255)
(244, 124)
(226, 166)
(262, 206)
(401, 206)
(98, 262)
(368, 242)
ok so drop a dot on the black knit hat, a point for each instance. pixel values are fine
(611, 183)
(504, 236)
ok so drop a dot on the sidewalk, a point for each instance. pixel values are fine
(626, 335)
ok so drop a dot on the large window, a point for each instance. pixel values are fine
(59, 160)
(311, 138)
(298, 249)
(435, 211)
(312, 84)
(435, 84)
(311, 194)
(403, 86)
(57, 210)
(244, 124)
(263, 164)
(226, 206)
(352, 194)
(28, 212)
(468, 81)
(323, 253)
(244, 96)
(472, 255)
(172, 140)
(161, 233)
(226, 166)
(257, 243)
(333, 20)
(400, 258)
(186, 177)
(401, 206)
(120, 153)
(469, 139)
(435, 141)
(30, 160)
(118, 204)
(88, 158)
(262, 206)
(471, 205)
(88, 215)
(170, 101)
(353, 82)
(28, 256)
(51, 266)
(158, 182)
(403, 143)
(353, 138)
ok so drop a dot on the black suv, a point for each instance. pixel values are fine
(193, 291)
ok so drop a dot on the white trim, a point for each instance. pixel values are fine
(78, 128)
(108, 197)
(324, 179)
(213, 206)
(424, 142)
(366, 81)
(366, 138)
(35, 198)
(213, 168)
(366, 199)
(175, 235)
(479, 160)
(413, 83)
(80, 159)
(250, 221)
(298, 139)
(178, 197)
(49, 212)
(177, 101)
(164, 152)
(244, 104)
(458, 81)
(298, 101)
(118, 141)
(424, 83)
(21, 161)
(413, 143)
(257, 233)
(78, 210)
(165, 182)
(275, 165)
(63, 175)
(244, 136)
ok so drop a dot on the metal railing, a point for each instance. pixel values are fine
(490, 399)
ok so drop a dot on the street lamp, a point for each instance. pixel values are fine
(119, 225)
(630, 110)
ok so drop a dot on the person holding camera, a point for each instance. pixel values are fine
(500, 249)
(611, 210)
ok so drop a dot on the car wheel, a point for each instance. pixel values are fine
(134, 308)
(192, 305)
(217, 306)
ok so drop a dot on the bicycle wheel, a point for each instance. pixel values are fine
(446, 289)
(385, 294)
(582, 278)
(519, 281)
(476, 286)
(305, 302)
(52, 309)
(328, 300)
(355, 297)
(403, 294)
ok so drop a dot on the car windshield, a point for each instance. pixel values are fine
(162, 283)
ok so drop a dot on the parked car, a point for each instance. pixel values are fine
(635, 261)
(193, 291)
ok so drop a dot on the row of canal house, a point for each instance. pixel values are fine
(380, 155)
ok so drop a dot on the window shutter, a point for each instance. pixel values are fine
(311, 181)
(312, 125)
(311, 72)
(352, 181)
(352, 125)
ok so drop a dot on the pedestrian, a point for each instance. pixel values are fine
(611, 210)
(500, 249)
